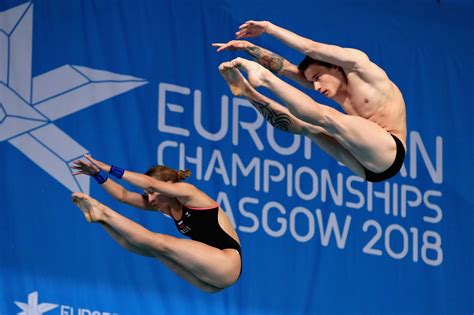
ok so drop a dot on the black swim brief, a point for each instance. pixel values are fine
(393, 169)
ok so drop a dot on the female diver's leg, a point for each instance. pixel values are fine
(176, 268)
(215, 267)
(122, 241)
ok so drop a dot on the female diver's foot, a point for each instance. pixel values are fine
(92, 209)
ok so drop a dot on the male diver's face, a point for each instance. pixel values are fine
(326, 80)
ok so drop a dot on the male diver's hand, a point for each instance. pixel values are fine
(233, 45)
(252, 29)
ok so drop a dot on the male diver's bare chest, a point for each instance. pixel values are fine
(365, 100)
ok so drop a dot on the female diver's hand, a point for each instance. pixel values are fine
(103, 166)
(90, 167)
(83, 167)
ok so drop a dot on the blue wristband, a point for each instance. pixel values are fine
(100, 177)
(116, 172)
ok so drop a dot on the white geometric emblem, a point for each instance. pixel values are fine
(32, 308)
(29, 105)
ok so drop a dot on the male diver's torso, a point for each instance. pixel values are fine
(380, 102)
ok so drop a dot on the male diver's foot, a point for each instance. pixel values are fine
(237, 83)
(256, 73)
(92, 209)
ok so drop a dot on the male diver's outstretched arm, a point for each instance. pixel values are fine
(270, 60)
(347, 58)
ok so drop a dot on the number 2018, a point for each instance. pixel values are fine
(431, 251)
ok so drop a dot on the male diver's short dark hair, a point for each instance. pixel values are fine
(308, 61)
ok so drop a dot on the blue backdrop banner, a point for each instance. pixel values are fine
(135, 83)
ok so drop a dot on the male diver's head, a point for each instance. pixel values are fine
(326, 78)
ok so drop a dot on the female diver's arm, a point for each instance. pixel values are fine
(185, 192)
(92, 167)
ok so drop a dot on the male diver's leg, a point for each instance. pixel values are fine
(332, 147)
(369, 143)
(281, 118)
(276, 114)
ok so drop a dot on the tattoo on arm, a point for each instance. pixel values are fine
(278, 120)
(269, 60)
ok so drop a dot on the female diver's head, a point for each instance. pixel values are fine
(165, 174)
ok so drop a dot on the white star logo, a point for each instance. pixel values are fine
(29, 105)
(32, 308)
